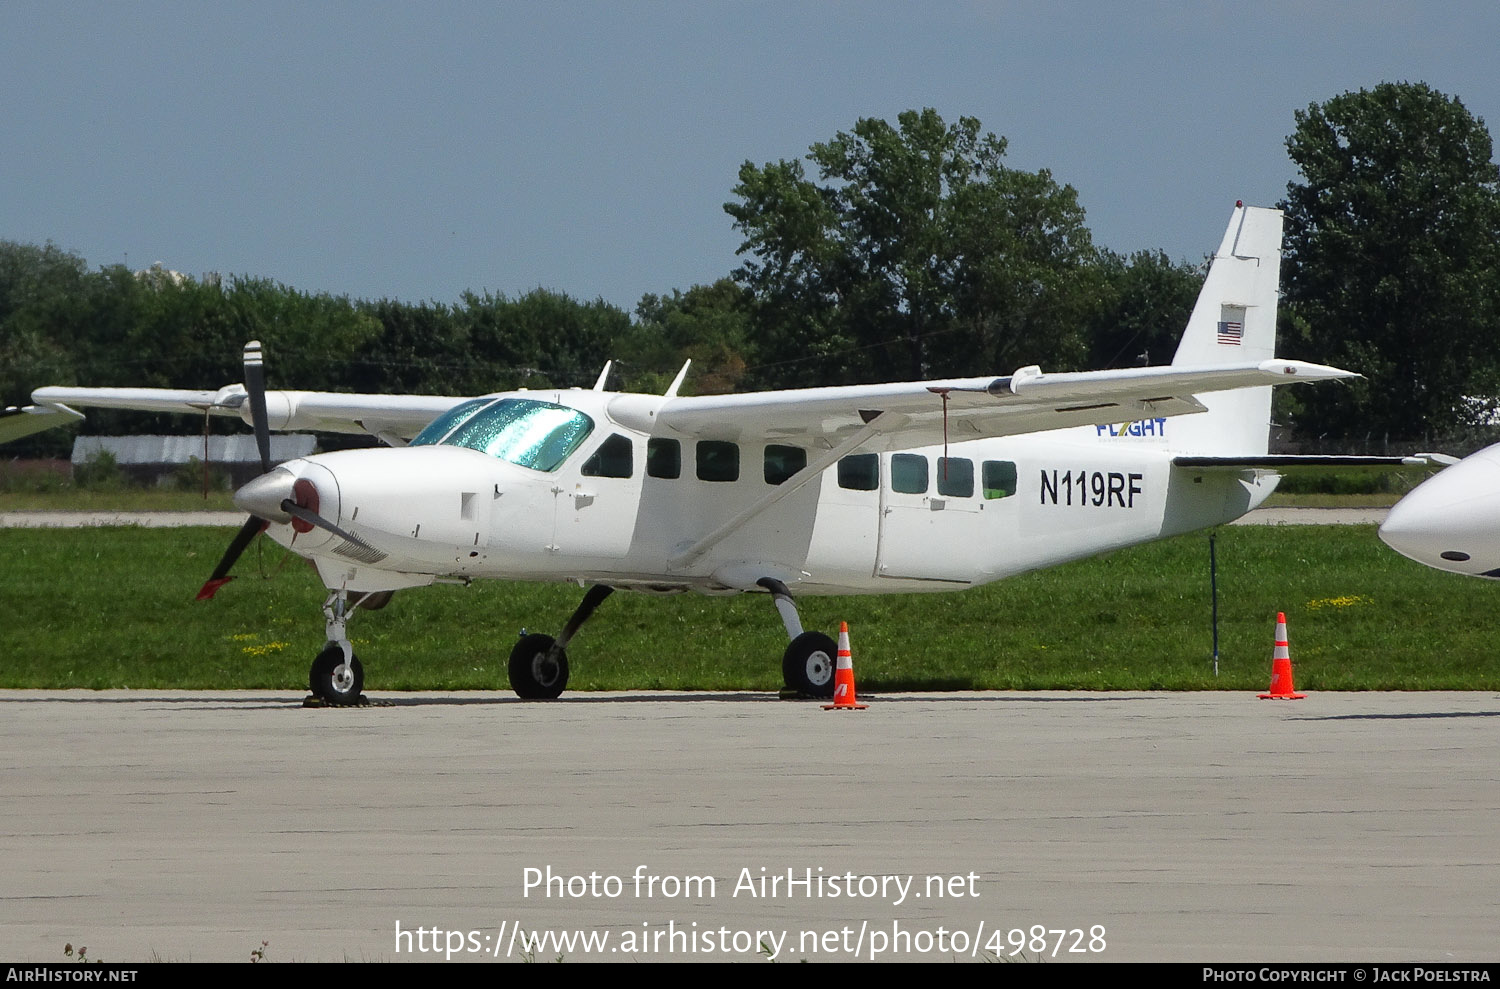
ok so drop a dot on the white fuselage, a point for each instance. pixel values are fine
(893, 521)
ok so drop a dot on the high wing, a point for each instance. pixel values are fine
(392, 417)
(909, 414)
(897, 416)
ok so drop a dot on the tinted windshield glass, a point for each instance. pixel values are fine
(524, 432)
(443, 424)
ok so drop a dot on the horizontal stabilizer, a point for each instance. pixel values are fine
(1289, 462)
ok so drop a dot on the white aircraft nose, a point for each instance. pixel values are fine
(1452, 520)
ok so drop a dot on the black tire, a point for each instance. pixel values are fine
(372, 600)
(532, 675)
(324, 684)
(808, 664)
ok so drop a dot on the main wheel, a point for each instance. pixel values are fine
(807, 665)
(533, 676)
(331, 683)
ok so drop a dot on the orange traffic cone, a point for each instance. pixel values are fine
(1281, 667)
(843, 676)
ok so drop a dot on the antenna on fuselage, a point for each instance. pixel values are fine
(671, 391)
(603, 376)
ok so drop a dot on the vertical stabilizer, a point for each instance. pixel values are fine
(1234, 321)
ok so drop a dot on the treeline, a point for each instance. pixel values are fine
(893, 251)
(62, 323)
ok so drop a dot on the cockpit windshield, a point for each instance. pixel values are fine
(521, 431)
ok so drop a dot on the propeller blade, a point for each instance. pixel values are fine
(220, 576)
(255, 386)
(313, 518)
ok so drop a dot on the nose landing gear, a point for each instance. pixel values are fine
(337, 677)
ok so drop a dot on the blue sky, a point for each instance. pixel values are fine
(415, 151)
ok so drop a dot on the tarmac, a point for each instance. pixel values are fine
(186, 826)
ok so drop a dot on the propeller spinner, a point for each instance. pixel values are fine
(274, 496)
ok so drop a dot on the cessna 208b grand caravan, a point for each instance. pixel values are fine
(917, 486)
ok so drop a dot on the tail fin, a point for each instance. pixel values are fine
(1234, 320)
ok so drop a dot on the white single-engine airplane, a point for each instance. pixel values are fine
(1451, 521)
(917, 486)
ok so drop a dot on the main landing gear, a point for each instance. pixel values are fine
(539, 663)
(808, 663)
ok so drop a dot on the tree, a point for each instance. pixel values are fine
(42, 301)
(707, 324)
(1391, 260)
(1144, 302)
(919, 253)
(542, 339)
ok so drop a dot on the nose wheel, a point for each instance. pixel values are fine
(333, 679)
(336, 677)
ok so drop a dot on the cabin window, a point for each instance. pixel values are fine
(663, 458)
(613, 459)
(782, 462)
(718, 461)
(860, 472)
(999, 479)
(521, 431)
(955, 477)
(909, 473)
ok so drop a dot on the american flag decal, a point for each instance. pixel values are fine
(1231, 332)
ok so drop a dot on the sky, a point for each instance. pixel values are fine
(420, 150)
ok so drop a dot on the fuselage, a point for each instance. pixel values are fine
(589, 488)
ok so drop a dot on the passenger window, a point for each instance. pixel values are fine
(955, 477)
(860, 472)
(663, 458)
(612, 459)
(718, 461)
(999, 479)
(909, 473)
(782, 462)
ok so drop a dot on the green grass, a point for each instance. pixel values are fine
(114, 607)
(123, 499)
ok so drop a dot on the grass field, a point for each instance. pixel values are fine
(100, 608)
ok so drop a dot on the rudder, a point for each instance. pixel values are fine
(1234, 320)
